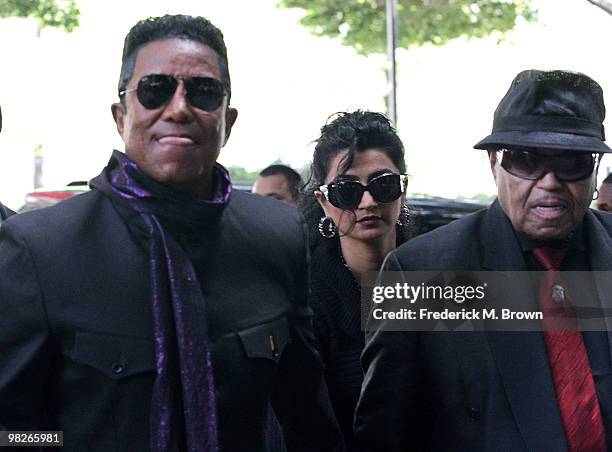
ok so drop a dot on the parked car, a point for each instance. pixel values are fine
(428, 212)
(45, 197)
(38, 199)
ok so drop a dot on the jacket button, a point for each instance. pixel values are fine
(474, 413)
(118, 369)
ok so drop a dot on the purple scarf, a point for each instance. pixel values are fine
(183, 405)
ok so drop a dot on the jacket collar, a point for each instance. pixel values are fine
(500, 248)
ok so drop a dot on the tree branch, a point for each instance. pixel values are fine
(603, 4)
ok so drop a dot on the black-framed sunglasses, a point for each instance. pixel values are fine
(154, 90)
(532, 166)
(347, 194)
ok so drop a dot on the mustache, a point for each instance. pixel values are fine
(549, 201)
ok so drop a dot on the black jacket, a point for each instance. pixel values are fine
(475, 391)
(76, 334)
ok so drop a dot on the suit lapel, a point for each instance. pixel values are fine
(600, 244)
(499, 246)
(600, 247)
(523, 365)
(521, 357)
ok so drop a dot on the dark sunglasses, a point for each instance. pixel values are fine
(347, 194)
(532, 166)
(154, 90)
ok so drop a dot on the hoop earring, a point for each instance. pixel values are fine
(327, 227)
(596, 194)
(404, 217)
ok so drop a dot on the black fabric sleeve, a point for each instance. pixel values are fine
(25, 361)
(300, 398)
(322, 328)
(388, 412)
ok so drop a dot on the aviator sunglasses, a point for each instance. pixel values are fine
(154, 90)
(532, 166)
(347, 194)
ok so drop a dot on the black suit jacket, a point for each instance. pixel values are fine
(76, 330)
(473, 391)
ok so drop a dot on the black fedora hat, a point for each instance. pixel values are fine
(550, 110)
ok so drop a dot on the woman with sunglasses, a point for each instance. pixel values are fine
(356, 213)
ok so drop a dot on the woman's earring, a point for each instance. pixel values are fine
(404, 216)
(595, 194)
(327, 227)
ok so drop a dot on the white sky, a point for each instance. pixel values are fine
(56, 90)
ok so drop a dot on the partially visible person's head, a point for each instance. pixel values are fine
(174, 89)
(545, 149)
(604, 200)
(358, 149)
(280, 182)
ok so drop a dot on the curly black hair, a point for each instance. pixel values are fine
(179, 26)
(349, 132)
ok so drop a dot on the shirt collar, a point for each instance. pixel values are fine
(575, 241)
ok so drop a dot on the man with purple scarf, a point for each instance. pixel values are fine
(162, 310)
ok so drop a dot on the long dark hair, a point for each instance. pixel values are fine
(352, 132)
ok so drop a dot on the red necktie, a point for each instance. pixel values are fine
(569, 362)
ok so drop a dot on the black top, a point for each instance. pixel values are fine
(336, 301)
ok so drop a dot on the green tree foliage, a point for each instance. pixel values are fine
(49, 13)
(362, 23)
(239, 174)
(242, 176)
(483, 197)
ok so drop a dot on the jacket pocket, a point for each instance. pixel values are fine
(267, 340)
(118, 357)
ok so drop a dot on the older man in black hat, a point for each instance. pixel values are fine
(510, 390)
(5, 212)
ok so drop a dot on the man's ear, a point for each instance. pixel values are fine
(118, 111)
(230, 118)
